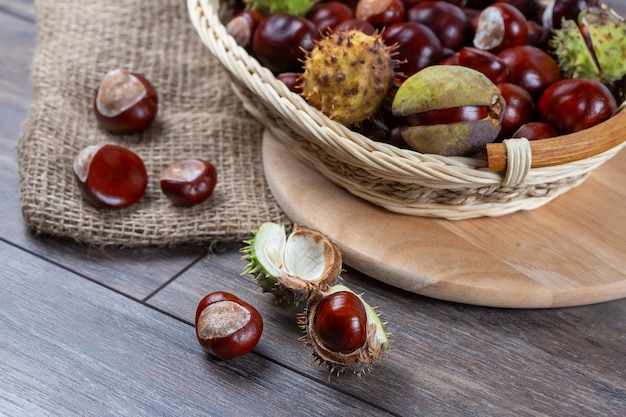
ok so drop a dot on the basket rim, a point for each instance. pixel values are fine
(381, 157)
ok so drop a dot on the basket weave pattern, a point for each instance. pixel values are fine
(402, 181)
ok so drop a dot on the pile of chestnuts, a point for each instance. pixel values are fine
(112, 176)
(512, 42)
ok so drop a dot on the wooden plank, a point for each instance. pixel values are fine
(70, 347)
(21, 8)
(561, 254)
(447, 358)
(136, 272)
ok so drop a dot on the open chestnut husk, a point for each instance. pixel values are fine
(291, 267)
(448, 110)
(345, 332)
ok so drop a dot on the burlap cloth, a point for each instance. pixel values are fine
(78, 42)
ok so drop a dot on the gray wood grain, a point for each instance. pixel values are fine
(71, 348)
(448, 358)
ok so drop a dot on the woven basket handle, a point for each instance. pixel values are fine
(566, 148)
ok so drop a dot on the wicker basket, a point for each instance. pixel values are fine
(519, 175)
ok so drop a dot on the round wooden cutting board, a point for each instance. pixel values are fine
(569, 252)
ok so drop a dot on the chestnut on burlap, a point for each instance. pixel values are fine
(199, 116)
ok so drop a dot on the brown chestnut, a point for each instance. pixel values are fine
(243, 25)
(572, 105)
(226, 326)
(531, 68)
(500, 26)
(280, 41)
(125, 102)
(447, 20)
(110, 176)
(189, 182)
(329, 14)
(535, 131)
(341, 322)
(380, 13)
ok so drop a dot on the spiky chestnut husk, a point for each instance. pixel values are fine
(291, 267)
(347, 75)
(294, 7)
(602, 55)
(360, 360)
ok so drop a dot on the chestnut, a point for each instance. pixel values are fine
(125, 102)
(344, 331)
(356, 24)
(341, 322)
(243, 25)
(291, 80)
(110, 176)
(500, 26)
(447, 20)
(571, 105)
(520, 108)
(483, 61)
(418, 46)
(226, 326)
(531, 68)
(280, 41)
(535, 131)
(189, 182)
(329, 14)
(380, 13)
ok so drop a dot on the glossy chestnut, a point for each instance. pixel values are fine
(356, 24)
(538, 35)
(531, 68)
(571, 105)
(243, 25)
(418, 46)
(447, 20)
(125, 102)
(110, 176)
(226, 326)
(380, 13)
(447, 116)
(485, 62)
(535, 131)
(291, 80)
(341, 322)
(189, 182)
(500, 26)
(520, 108)
(280, 41)
(328, 15)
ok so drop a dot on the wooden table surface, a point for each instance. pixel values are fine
(88, 331)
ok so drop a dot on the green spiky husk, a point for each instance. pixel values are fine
(347, 75)
(606, 62)
(275, 260)
(264, 278)
(293, 7)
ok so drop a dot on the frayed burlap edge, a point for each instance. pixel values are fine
(199, 116)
